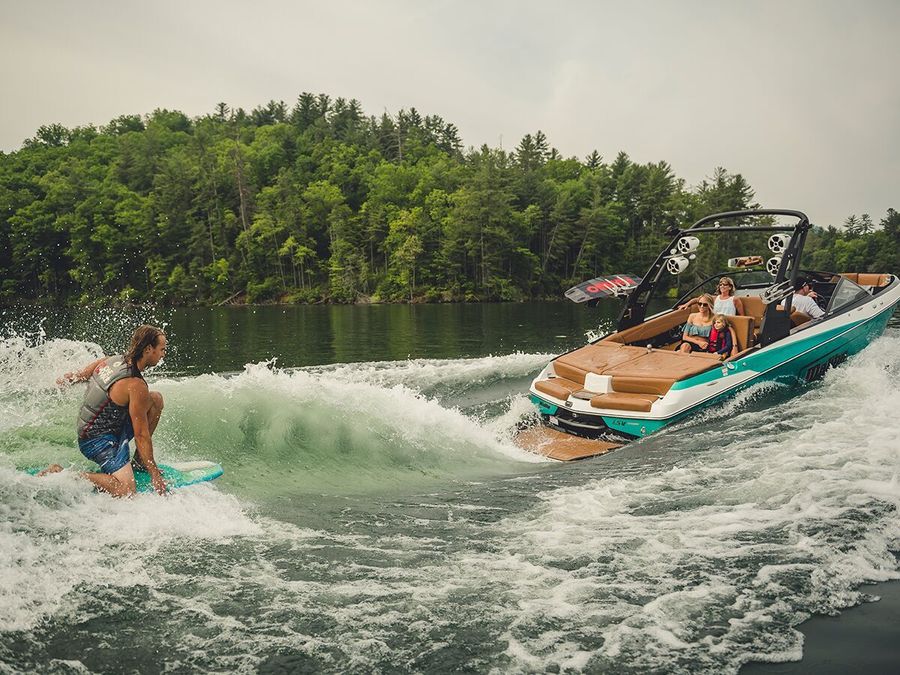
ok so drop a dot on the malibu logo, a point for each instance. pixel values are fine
(818, 370)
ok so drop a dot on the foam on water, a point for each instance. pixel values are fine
(429, 375)
(57, 535)
(765, 510)
(717, 558)
(698, 567)
(28, 371)
(327, 432)
(348, 429)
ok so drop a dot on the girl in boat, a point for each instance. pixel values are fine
(721, 337)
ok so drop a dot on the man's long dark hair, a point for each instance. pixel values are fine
(143, 337)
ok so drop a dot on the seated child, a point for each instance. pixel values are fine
(721, 337)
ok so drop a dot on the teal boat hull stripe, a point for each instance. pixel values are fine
(543, 406)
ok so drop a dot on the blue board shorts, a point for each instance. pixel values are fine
(110, 452)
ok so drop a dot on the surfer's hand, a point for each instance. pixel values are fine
(159, 484)
(65, 380)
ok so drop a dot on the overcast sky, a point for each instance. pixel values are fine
(802, 98)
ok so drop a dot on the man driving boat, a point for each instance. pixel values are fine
(804, 299)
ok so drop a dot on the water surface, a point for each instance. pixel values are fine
(375, 516)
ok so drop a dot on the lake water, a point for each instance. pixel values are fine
(374, 515)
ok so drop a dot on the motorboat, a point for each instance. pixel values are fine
(633, 381)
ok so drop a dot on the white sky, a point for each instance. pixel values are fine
(801, 97)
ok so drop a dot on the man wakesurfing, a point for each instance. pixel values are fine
(118, 406)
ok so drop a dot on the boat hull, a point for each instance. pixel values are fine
(798, 359)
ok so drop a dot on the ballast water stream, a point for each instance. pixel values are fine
(375, 516)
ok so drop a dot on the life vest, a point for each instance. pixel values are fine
(99, 415)
(718, 340)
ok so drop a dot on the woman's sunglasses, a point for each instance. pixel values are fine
(704, 304)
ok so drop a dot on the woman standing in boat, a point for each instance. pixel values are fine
(695, 337)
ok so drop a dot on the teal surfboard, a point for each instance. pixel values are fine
(176, 475)
(180, 474)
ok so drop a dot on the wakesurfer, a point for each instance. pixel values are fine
(118, 406)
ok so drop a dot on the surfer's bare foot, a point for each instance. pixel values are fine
(53, 468)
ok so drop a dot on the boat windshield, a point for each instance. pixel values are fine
(845, 293)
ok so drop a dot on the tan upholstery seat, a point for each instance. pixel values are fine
(874, 279)
(753, 306)
(743, 331)
(638, 374)
(652, 328)
(569, 372)
(618, 401)
(595, 358)
(642, 385)
(867, 279)
(799, 318)
(662, 364)
(557, 387)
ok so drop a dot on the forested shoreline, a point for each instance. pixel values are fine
(320, 203)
